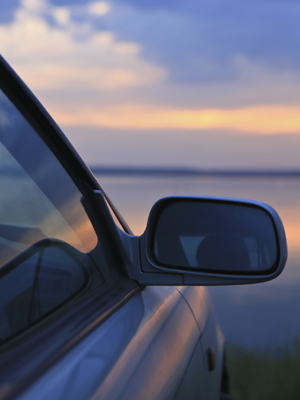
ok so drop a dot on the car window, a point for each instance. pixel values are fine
(45, 234)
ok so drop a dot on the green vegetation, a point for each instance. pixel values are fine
(272, 374)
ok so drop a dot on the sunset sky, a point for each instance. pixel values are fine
(207, 84)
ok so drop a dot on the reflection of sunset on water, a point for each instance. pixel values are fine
(291, 224)
(138, 221)
(290, 221)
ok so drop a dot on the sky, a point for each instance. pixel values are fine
(195, 83)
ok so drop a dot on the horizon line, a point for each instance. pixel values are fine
(187, 171)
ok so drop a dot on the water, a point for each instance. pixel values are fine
(258, 315)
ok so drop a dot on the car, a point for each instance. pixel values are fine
(88, 309)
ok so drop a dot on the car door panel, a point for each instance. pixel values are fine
(199, 301)
(147, 350)
(194, 381)
(212, 341)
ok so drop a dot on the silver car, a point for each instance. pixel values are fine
(89, 310)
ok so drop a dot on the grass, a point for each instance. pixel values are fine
(265, 374)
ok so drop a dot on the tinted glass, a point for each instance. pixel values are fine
(38, 281)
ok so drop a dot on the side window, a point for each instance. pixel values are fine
(45, 234)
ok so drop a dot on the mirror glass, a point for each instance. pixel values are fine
(214, 236)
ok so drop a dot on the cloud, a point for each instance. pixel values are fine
(98, 8)
(65, 54)
(200, 41)
(196, 41)
(190, 52)
(90, 64)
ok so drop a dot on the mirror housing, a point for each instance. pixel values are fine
(211, 241)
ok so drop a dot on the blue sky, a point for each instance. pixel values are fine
(196, 83)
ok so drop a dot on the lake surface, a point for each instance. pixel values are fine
(264, 314)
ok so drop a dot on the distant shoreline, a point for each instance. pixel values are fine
(192, 172)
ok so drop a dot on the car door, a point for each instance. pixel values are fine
(73, 325)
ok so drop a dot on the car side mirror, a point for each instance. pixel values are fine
(212, 241)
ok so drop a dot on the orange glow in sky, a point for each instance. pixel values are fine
(258, 119)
